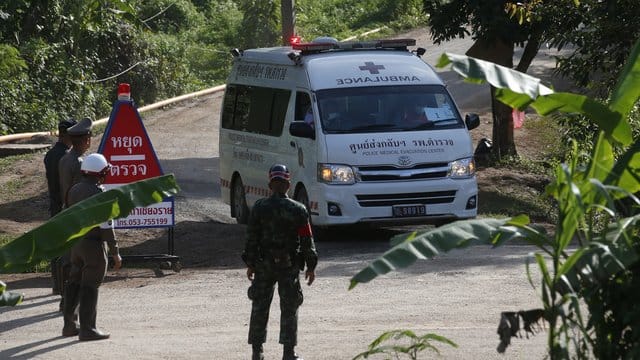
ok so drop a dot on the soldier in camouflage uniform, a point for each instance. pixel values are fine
(279, 244)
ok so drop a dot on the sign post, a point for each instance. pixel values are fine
(127, 147)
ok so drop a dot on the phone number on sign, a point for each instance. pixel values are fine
(142, 222)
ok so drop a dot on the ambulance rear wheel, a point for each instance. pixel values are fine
(239, 202)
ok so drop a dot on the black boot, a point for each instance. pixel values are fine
(289, 353)
(88, 311)
(71, 293)
(258, 352)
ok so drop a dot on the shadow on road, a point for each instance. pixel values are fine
(17, 352)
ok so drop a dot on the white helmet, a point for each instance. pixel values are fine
(95, 164)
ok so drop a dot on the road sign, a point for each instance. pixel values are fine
(126, 146)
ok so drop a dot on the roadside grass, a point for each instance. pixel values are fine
(8, 161)
(517, 184)
(548, 134)
(11, 184)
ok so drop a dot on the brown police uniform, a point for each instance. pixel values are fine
(69, 166)
(51, 165)
(89, 255)
(88, 268)
(69, 170)
(69, 173)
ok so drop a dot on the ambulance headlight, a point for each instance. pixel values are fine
(335, 174)
(462, 168)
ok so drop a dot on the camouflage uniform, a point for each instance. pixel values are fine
(279, 244)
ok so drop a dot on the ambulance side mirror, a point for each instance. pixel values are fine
(472, 121)
(302, 129)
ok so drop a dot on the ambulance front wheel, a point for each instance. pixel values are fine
(239, 202)
(302, 197)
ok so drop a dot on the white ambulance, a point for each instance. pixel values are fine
(368, 130)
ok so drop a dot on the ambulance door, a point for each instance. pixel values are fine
(302, 157)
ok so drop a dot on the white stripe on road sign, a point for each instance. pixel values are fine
(126, 157)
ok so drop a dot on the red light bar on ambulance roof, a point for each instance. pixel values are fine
(324, 44)
(313, 47)
(397, 43)
(295, 39)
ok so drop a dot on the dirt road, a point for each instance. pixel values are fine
(203, 311)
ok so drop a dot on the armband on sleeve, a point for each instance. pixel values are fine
(305, 230)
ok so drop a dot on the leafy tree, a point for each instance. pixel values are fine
(497, 26)
(603, 34)
(603, 263)
(496, 32)
(260, 23)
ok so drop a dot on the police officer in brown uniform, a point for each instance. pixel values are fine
(69, 167)
(69, 173)
(88, 257)
(51, 161)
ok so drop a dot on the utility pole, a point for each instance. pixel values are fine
(288, 20)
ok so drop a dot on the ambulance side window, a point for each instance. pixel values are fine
(255, 109)
(303, 107)
(228, 107)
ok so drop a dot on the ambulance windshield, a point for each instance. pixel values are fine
(387, 109)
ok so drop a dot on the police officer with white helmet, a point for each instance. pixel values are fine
(88, 257)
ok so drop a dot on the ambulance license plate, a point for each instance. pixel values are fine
(409, 210)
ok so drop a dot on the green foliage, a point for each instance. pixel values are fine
(416, 344)
(66, 57)
(585, 261)
(70, 224)
(615, 315)
(603, 34)
(260, 23)
(170, 16)
(342, 19)
(10, 61)
(485, 19)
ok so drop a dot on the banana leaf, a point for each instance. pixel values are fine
(8, 298)
(60, 233)
(627, 90)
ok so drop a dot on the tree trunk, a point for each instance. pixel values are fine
(503, 142)
(501, 53)
(288, 20)
(530, 50)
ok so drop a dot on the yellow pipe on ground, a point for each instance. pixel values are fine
(22, 136)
